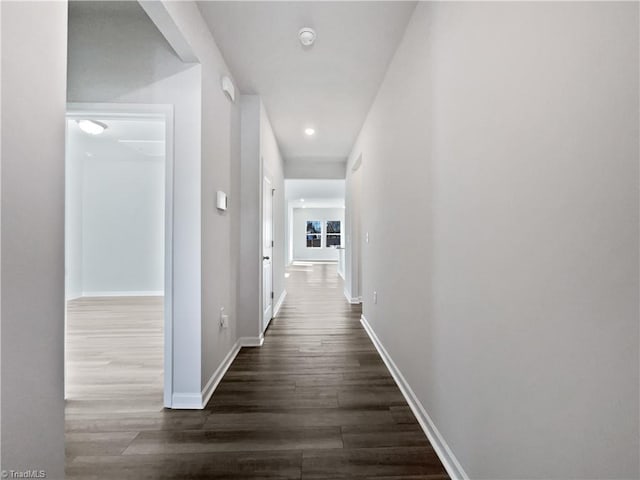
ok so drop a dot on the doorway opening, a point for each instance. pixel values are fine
(267, 253)
(316, 229)
(315, 220)
(118, 243)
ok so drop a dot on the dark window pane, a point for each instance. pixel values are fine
(314, 226)
(314, 241)
(333, 226)
(333, 240)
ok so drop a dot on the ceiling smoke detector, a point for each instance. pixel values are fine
(307, 36)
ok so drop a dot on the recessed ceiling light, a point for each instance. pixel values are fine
(91, 126)
(302, 199)
(309, 131)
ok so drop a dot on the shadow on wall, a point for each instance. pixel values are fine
(126, 62)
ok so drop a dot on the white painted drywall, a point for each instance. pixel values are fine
(260, 157)
(500, 166)
(299, 235)
(34, 44)
(273, 169)
(74, 173)
(220, 156)
(121, 209)
(249, 280)
(353, 235)
(315, 190)
(314, 168)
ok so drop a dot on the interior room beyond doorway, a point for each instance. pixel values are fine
(115, 262)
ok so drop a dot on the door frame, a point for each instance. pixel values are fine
(166, 112)
(265, 323)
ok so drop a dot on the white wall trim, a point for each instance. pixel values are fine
(251, 341)
(316, 262)
(218, 375)
(350, 299)
(186, 401)
(278, 304)
(128, 293)
(448, 459)
(194, 401)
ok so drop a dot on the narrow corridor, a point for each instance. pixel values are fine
(314, 402)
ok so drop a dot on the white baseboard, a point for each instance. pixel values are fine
(314, 261)
(186, 401)
(448, 459)
(251, 341)
(128, 293)
(195, 401)
(217, 376)
(276, 308)
(350, 299)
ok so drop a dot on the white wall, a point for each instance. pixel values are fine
(510, 303)
(314, 169)
(74, 177)
(118, 55)
(34, 42)
(121, 210)
(299, 235)
(249, 280)
(273, 169)
(260, 157)
(353, 232)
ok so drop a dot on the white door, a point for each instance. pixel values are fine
(267, 253)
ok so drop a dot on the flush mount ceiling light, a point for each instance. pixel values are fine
(91, 126)
(309, 131)
(307, 36)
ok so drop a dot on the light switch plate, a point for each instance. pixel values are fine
(221, 200)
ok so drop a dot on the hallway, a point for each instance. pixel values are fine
(314, 402)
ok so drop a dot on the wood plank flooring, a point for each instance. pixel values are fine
(314, 402)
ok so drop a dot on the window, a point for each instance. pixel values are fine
(333, 233)
(314, 234)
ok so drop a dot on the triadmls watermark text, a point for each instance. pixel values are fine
(23, 474)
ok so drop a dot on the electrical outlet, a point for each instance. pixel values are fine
(224, 319)
(375, 297)
(366, 237)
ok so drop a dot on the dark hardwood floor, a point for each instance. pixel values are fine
(314, 402)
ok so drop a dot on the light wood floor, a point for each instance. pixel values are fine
(315, 402)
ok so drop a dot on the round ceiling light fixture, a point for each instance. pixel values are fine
(307, 36)
(92, 127)
(309, 131)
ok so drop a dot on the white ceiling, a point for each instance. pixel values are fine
(329, 86)
(314, 193)
(141, 138)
